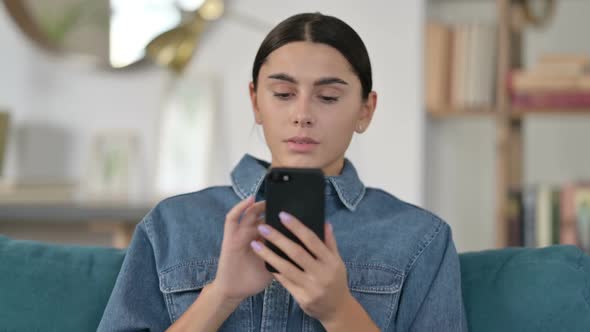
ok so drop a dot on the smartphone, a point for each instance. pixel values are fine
(299, 192)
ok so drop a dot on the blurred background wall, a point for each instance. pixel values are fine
(78, 100)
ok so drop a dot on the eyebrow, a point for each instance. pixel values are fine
(321, 81)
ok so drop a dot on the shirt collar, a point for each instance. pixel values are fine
(248, 176)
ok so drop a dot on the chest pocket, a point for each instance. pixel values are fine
(375, 287)
(182, 284)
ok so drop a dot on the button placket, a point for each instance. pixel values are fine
(275, 308)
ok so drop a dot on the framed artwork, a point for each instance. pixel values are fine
(113, 166)
(185, 135)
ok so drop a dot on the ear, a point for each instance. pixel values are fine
(254, 100)
(367, 111)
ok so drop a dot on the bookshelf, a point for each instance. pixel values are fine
(508, 121)
(523, 112)
(449, 113)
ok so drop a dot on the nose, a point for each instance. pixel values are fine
(303, 116)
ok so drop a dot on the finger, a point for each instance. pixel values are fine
(234, 214)
(260, 221)
(283, 266)
(288, 284)
(253, 213)
(248, 229)
(330, 239)
(296, 252)
(306, 235)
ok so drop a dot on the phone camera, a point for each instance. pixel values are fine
(279, 177)
(274, 177)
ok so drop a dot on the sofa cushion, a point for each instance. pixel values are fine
(524, 289)
(45, 287)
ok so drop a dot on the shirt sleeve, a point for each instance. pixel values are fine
(136, 303)
(431, 298)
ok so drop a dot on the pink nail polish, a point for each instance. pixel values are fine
(256, 245)
(264, 230)
(285, 217)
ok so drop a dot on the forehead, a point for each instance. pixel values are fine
(307, 59)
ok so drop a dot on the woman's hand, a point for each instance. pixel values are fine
(321, 289)
(240, 272)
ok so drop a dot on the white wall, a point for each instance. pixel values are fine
(564, 33)
(79, 100)
(66, 103)
(460, 178)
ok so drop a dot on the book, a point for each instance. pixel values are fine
(514, 216)
(458, 66)
(473, 72)
(553, 73)
(584, 83)
(542, 215)
(568, 228)
(555, 215)
(543, 220)
(572, 58)
(488, 64)
(529, 216)
(522, 81)
(473, 66)
(557, 69)
(551, 100)
(582, 208)
(549, 215)
(437, 65)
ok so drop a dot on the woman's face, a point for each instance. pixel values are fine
(308, 101)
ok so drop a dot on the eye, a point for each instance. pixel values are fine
(282, 96)
(329, 99)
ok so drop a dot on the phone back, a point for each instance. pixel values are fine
(299, 192)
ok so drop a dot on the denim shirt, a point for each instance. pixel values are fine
(402, 265)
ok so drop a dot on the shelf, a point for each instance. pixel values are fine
(71, 212)
(523, 112)
(449, 113)
(515, 113)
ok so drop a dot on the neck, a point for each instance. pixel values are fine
(334, 168)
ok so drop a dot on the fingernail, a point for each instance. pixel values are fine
(256, 245)
(285, 217)
(264, 230)
(329, 225)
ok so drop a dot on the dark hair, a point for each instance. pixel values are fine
(319, 28)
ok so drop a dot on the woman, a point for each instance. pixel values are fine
(196, 261)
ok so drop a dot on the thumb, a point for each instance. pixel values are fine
(330, 239)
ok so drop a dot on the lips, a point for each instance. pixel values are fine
(301, 144)
(302, 140)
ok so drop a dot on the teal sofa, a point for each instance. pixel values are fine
(45, 287)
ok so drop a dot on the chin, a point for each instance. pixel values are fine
(302, 161)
